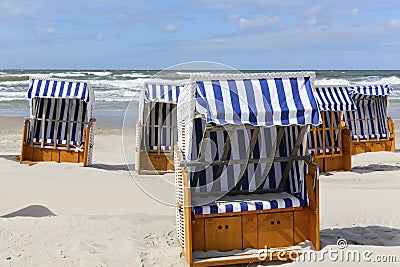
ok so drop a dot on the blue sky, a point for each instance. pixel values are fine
(245, 34)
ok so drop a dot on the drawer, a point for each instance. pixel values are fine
(223, 233)
(153, 162)
(275, 229)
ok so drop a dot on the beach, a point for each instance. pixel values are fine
(66, 215)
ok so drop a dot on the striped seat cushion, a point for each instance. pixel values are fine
(243, 203)
(59, 142)
(372, 136)
(161, 147)
(327, 150)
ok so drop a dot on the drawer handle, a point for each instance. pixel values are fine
(278, 222)
(219, 227)
(226, 226)
(272, 222)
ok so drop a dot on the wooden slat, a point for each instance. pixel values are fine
(296, 147)
(55, 140)
(201, 155)
(44, 122)
(250, 150)
(227, 147)
(69, 123)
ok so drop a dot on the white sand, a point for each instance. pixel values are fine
(104, 219)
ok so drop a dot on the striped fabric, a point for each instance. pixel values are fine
(240, 140)
(371, 90)
(334, 98)
(161, 121)
(260, 102)
(52, 88)
(327, 134)
(47, 108)
(264, 202)
(369, 121)
(162, 92)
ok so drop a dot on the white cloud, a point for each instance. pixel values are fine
(47, 30)
(233, 17)
(355, 11)
(100, 37)
(258, 21)
(172, 27)
(394, 23)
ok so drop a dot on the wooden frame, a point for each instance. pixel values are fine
(333, 161)
(155, 161)
(32, 152)
(376, 144)
(235, 233)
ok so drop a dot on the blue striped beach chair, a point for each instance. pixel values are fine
(371, 128)
(330, 142)
(156, 130)
(244, 180)
(61, 124)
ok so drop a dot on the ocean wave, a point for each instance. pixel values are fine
(132, 75)
(121, 84)
(99, 73)
(326, 81)
(393, 80)
(67, 74)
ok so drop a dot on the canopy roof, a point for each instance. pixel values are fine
(372, 90)
(56, 88)
(162, 90)
(263, 99)
(334, 98)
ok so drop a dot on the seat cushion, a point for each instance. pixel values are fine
(371, 136)
(327, 150)
(251, 202)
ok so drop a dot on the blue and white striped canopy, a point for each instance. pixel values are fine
(372, 90)
(162, 92)
(53, 88)
(259, 102)
(334, 98)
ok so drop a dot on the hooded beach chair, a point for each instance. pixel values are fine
(371, 128)
(61, 124)
(330, 143)
(156, 130)
(243, 179)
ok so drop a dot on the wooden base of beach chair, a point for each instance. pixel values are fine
(235, 233)
(376, 145)
(35, 153)
(155, 163)
(340, 161)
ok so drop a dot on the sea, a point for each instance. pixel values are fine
(116, 89)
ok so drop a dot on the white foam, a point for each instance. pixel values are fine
(379, 80)
(67, 74)
(132, 75)
(326, 81)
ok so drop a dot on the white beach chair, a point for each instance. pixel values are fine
(330, 142)
(61, 124)
(243, 179)
(371, 128)
(156, 130)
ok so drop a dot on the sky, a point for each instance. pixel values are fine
(244, 34)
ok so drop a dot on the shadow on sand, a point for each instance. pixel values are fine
(375, 167)
(117, 167)
(31, 211)
(368, 235)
